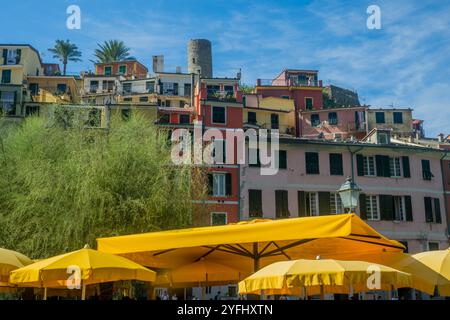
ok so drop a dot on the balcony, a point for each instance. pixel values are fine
(288, 83)
(283, 128)
(218, 95)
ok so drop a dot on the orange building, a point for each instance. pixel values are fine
(126, 68)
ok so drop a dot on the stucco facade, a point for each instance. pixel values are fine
(409, 226)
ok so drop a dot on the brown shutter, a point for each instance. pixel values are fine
(324, 203)
(301, 204)
(362, 206)
(228, 184)
(408, 208)
(386, 207)
(255, 203)
(210, 184)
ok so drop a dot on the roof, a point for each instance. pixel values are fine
(296, 70)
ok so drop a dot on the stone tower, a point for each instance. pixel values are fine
(200, 57)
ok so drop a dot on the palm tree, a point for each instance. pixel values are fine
(112, 50)
(65, 52)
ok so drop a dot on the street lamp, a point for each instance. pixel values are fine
(349, 193)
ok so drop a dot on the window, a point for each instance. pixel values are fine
(122, 69)
(185, 119)
(107, 70)
(282, 158)
(218, 218)
(6, 76)
(126, 87)
(336, 205)
(34, 88)
(369, 166)
(127, 99)
(187, 89)
(167, 103)
(315, 120)
(433, 246)
(285, 97)
(274, 121)
(221, 184)
(93, 86)
(308, 103)
(8, 102)
(426, 170)
(336, 166)
(150, 87)
(312, 162)
(165, 118)
(108, 85)
(372, 208)
(432, 210)
(251, 117)
(143, 99)
(398, 117)
(332, 118)
(218, 151)
(255, 203)
(229, 90)
(218, 115)
(61, 88)
(399, 210)
(312, 203)
(383, 138)
(379, 117)
(281, 204)
(32, 111)
(11, 56)
(394, 165)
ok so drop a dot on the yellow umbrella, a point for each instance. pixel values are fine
(201, 273)
(439, 261)
(10, 260)
(323, 276)
(80, 268)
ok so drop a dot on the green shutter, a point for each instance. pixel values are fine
(386, 207)
(281, 204)
(428, 209)
(324, 203)
(282, 157)
(383, 167)
(228, 184)
(336, 167)
(408, 208)
(210, 184)
(362, 206)
(18, 55)
(437, 211)
(301, 204)
(255, 203)
(312, 162)
(406, 169)
(360, 164)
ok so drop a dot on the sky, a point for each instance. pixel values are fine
(405, 64)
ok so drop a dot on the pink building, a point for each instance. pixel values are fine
(402, 189)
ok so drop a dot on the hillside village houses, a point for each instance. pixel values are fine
(326, 135)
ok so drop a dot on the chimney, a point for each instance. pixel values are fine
(440, 137)
(178, 69)
(158, 64)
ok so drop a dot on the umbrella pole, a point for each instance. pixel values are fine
(83, 292)
(45, 293)
(322, 293)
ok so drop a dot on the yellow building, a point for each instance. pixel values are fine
(399, 120)
(17, 62)
(269, 113)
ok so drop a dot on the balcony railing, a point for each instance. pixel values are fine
(288, 82)
(216, 95)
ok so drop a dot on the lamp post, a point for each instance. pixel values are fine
(349, 193)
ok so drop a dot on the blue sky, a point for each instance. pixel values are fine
(405, 64)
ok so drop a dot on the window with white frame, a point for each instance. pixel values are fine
(219, 184)
(372, 208)
(336, 205)
(218, 218)
(399, 209)
(313, 203)
(394, 164)
(369, 166)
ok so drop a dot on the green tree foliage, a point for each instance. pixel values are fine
(62, 186)
(65, 52)
(112, 50)
(246, 89)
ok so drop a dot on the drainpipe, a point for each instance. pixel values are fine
(351, 160)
